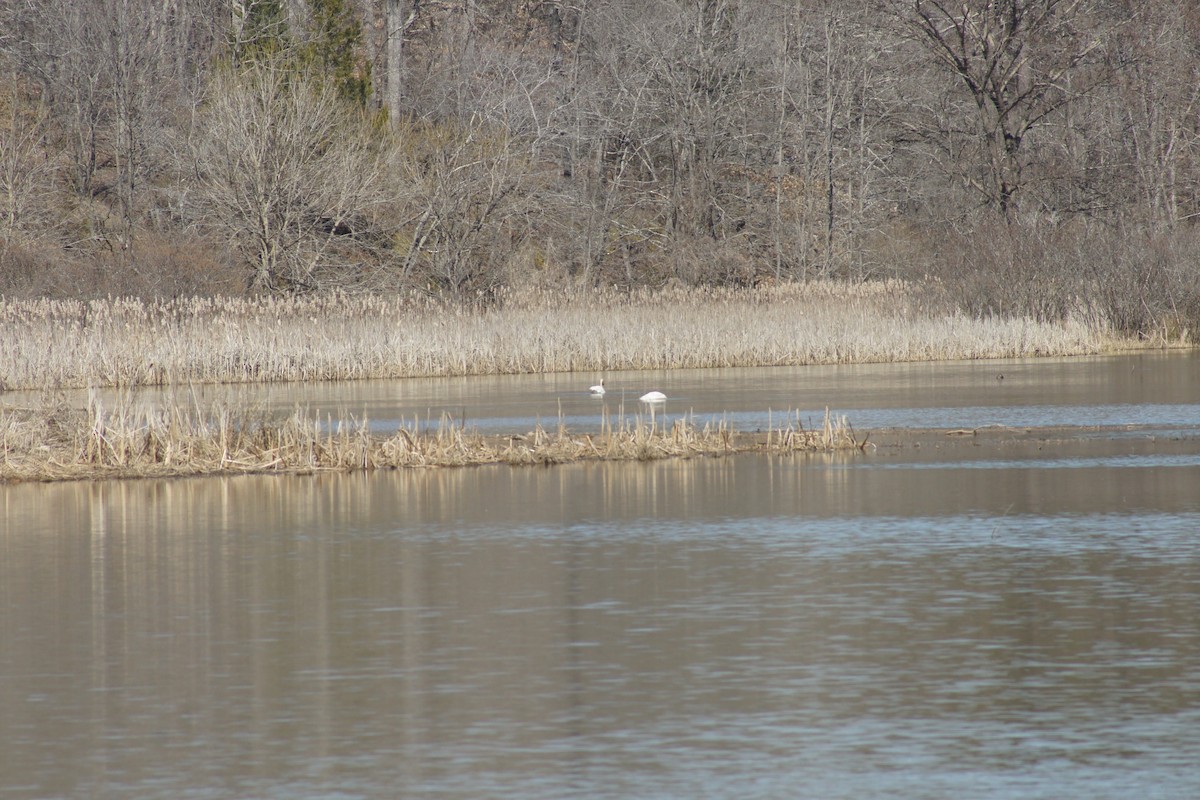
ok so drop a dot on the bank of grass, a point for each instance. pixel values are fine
(64, 443)
(128, 343)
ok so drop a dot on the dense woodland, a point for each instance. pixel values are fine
(1036, 157)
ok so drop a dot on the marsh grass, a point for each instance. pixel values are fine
(129, 343)
(61, 443)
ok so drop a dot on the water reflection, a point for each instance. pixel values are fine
(1155, 389)
(709, 628)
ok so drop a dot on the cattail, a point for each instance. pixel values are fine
(129, 343)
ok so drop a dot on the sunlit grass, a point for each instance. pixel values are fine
(62, 443)
(125, 343)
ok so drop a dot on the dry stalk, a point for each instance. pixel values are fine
(128, 343)
(127, 441)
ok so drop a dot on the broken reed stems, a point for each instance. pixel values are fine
(129, 343)
(125, 441)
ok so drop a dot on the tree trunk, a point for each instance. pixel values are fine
(394, 20)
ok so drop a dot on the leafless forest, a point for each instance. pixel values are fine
(1031, 157)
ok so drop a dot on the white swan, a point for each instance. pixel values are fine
(598, 388)
(653, 397)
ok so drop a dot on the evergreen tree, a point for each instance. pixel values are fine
(334, 49)
(263, 33)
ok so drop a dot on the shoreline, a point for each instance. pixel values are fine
(69, 346)
(132, 343)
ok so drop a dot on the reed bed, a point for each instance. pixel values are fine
(64, 443)
(129, 343)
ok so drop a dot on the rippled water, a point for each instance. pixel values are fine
(984, 617)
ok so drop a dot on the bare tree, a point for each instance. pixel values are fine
(700, 73)
(825, 108)
(464, 190)
(135, 58)
(49, 42)
(26, 168)
(388, 23)
(1150, 132)
(286, 170)
(1020, 61)
(111, 75)
(607, 144)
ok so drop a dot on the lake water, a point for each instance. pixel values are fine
(1148, 389)
(992, 616)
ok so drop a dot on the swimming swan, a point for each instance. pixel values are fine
(598, 388)
(653, 397)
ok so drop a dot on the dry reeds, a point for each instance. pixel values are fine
(59, 443)
(128, 343)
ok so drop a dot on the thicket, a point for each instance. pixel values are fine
(1030, 157)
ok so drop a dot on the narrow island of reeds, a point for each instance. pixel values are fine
(68, 443)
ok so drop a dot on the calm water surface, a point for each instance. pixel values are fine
(1159, 389)
(1009, 620)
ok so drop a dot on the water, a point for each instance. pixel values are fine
(1147, 389)
(990, 616)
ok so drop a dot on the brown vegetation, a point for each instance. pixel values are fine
(65, 443)
(129, 343)
(1039, 158)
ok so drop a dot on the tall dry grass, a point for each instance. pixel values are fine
(62, 443)
(125, 343)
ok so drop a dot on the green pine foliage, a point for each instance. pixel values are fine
(263, 33)
(333, 51)
(329, 48)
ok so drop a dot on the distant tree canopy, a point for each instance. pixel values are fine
(1021, 63)
(1026, 153)
(259, 30)
(334, 49)
(325, 43)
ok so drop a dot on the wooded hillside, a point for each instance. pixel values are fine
(1029, 156)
